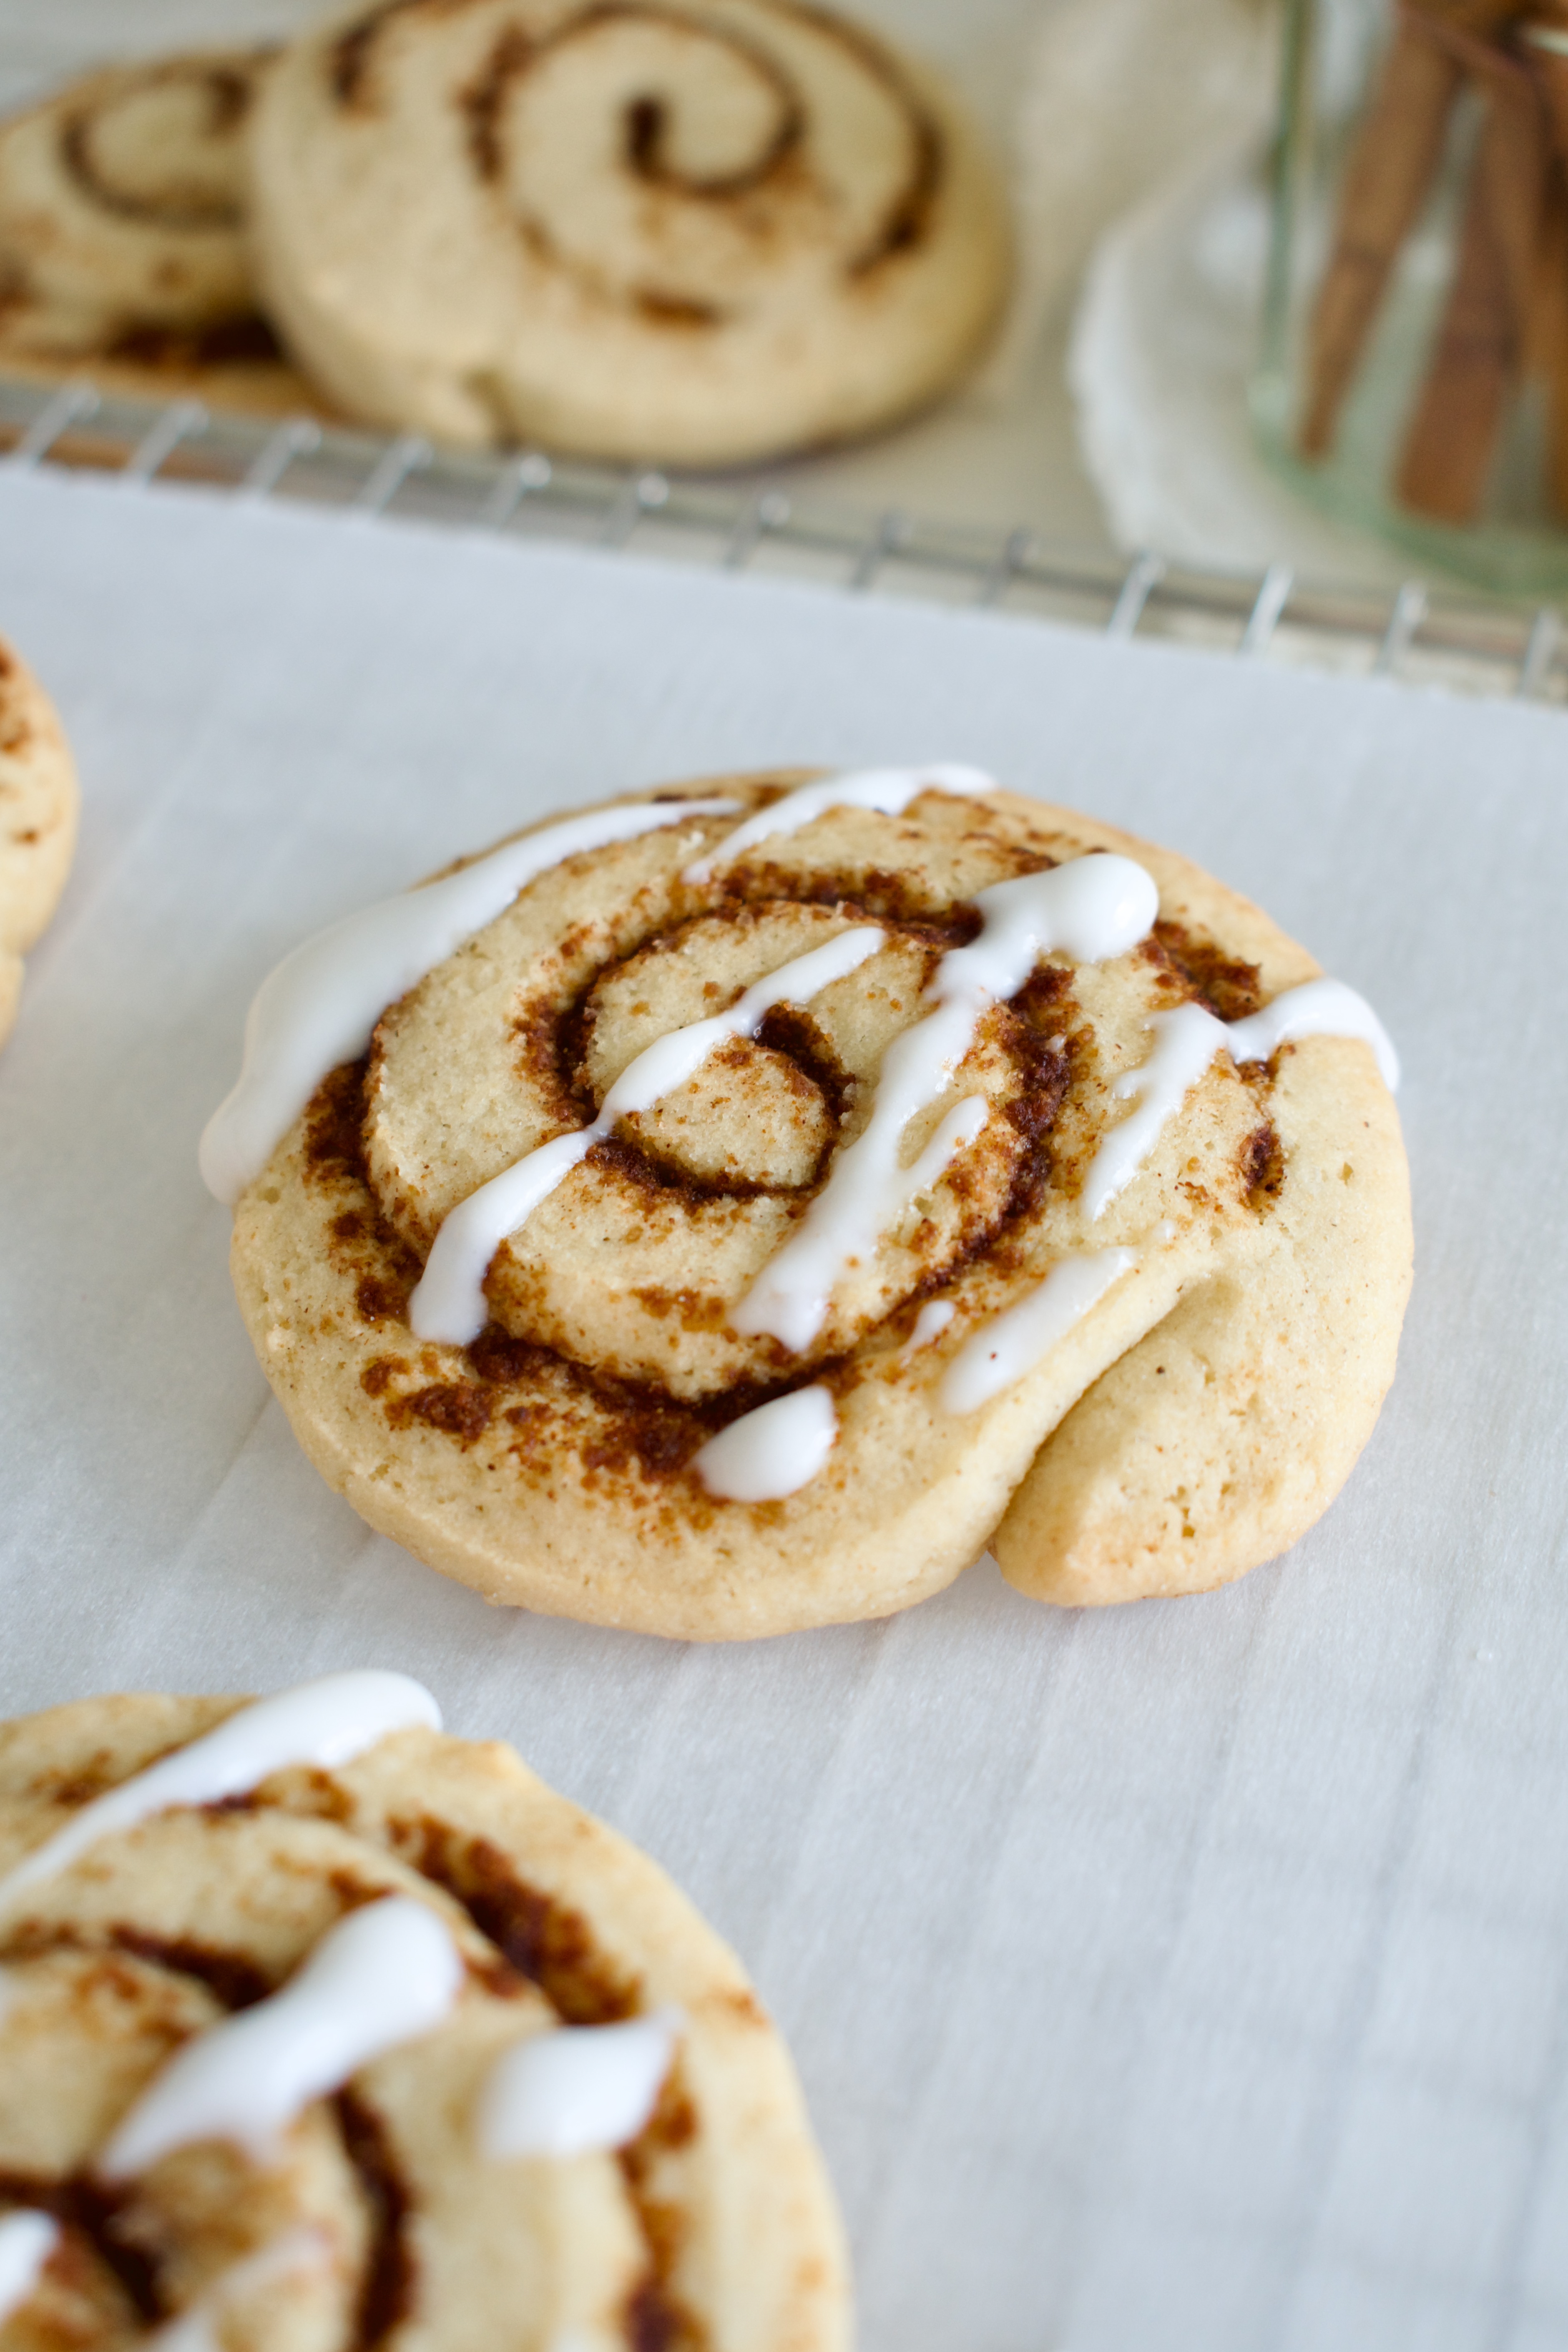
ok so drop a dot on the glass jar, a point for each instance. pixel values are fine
(1414, 370)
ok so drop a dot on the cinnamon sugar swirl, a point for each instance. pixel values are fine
(729, 1210)
(37, 820)
(692, 231)
(322, 2030)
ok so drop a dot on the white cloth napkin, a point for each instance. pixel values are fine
(1192, 1976)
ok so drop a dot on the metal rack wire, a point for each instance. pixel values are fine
(1422, 634)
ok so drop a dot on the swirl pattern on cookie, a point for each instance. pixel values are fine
(689, 230)
(123, 214)
(399, 2042)
(717, 1239)
(39, 804)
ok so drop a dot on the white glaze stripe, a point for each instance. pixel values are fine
(930, 1324)
(888, 791)
(1319, 1008)
(1015, 1341)
(324, 1723)
(772, 1452)
(26, 2242)
(320, 1004)
(1187, 1040)
(448, 1300)
(383, 1975)
(195, 2330)
(1092, 908)
(579, 2090)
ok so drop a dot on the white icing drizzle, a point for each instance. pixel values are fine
(930, 1324)
(1092, 908)
(888, 791)
(578, 2090)
(448, 1300)
(772, 1452)
(1187, 1040)
(1015, 1341)
(1319, 1008)
(320, 1004)
(195, 2330)
(326, 1723)
(383, 1976)
(27, 2239)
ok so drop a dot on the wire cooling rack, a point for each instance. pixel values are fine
(1423, 634)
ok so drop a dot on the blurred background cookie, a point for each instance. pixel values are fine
(122, 247)
(322, 2029)
(696, 235)
(37, 820)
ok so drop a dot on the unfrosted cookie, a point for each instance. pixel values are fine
(122, 233)
(320, 2030)
(37, 820)
(689, 233)
(726, 1215)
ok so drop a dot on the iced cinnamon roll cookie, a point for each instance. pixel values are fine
(319, 2030)
(722, 1212)
(37, 820)
(123, 232)
(694, 231)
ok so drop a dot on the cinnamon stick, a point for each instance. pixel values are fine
(1389, 176)
(1480, 355)
(1547, 356)
(1544, 46)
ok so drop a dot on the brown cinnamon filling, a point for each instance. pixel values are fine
(386, 2295)
(544, 1940)
(91, 2211)
(245, 339)
(1228, 987)
(234, 1981)
(1263, 1168)
(554, 1947)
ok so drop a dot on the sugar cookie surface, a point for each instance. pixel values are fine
(975, 1384)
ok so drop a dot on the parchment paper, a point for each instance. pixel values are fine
(1188, 1976)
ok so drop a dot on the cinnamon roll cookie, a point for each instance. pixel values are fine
(321, 2030)
(37, 820)
(692, 231)
(729, 1210)
(123, 232)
